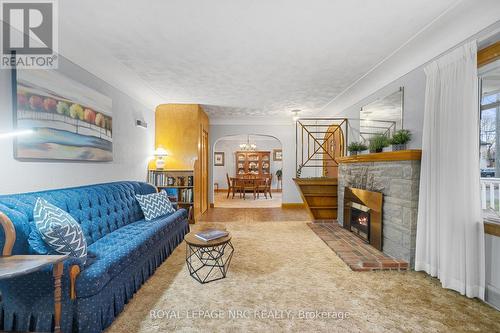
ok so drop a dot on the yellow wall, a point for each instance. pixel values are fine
(179, 130)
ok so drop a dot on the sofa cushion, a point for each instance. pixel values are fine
(118, 250)
(59, 230)
(155, 205)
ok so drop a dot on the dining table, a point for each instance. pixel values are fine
(242, 183)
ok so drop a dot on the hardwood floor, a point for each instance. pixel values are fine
(255, 215)
(221, 201)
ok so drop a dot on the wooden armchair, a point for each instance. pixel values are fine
(265, 188)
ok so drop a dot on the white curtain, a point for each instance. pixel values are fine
(450, 232)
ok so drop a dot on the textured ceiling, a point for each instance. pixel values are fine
(237, 58)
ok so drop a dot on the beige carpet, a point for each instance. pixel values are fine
(284, 266)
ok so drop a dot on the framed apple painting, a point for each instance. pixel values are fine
(68, 120)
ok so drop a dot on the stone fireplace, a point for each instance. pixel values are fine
(395, 177)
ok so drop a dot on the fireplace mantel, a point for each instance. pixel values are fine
(401, 155)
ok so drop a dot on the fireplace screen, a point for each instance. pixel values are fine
(360, 221)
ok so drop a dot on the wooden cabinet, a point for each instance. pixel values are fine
(257, 163)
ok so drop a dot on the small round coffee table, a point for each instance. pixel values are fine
(208, 261)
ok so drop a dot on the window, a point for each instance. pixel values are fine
(490, 139)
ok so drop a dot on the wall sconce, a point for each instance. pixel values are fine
(141, 123)
(160, 154)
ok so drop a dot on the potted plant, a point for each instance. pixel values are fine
(378, 142)
(400, 139)
(279, 174)
(355, 147)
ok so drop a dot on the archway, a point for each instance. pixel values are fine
(260, 161)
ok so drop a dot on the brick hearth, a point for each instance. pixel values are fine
(358, 255)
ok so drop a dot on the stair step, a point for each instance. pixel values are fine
(320, 194)
(323, 207)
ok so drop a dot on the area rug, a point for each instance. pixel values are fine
(284, 278)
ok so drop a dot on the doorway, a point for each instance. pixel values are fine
(247, 171)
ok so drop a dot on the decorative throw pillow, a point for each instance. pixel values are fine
(59, 229)
(155, 205)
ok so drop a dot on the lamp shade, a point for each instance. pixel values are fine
(160, 152)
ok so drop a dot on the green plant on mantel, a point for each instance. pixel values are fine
(400, 139)
(356, 147)
(378, 142)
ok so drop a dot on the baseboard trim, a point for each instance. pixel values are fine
(292, 205)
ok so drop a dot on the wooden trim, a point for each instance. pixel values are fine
(316, 181)
(74, 271)
(292, 205)
(492, 228)
(10, 234)
(488, 54)
(401, 155)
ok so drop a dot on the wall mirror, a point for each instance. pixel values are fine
(383, 116)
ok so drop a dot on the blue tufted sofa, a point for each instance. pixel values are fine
(124, 250)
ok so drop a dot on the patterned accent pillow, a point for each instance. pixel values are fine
(155, 205)
(59, 229)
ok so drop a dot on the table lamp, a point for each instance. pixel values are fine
(160, 153)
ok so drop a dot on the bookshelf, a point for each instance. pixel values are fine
(179, 185)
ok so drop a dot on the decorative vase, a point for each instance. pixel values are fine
(397, 147)
(353, 153)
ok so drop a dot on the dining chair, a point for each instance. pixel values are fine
(261, 187)
(230, 186)
(269, 182)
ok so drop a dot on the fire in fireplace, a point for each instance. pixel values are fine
(360, 221)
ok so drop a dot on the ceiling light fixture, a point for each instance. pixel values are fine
(295, 115)
(247, 145)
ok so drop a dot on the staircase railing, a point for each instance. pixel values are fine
(318, 142)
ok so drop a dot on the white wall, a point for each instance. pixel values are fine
(132, 145)
(493, 270)
(229, 146)
(285, 133)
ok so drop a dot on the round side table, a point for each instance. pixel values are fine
(208, 261)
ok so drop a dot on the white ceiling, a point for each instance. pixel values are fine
(239, 58)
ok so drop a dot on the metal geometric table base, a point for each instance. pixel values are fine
(211, 263)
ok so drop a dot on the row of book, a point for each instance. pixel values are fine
(186, 195)
(158, 178)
